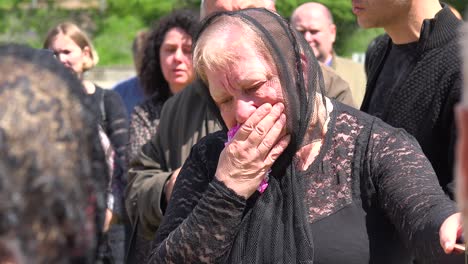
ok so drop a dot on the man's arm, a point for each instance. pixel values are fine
(145, 197)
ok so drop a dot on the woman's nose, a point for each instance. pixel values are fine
(178, 55)
(243, 110)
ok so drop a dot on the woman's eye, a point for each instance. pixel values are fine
(225, 102)
(254, 88)
(187, 50)
(169, 49)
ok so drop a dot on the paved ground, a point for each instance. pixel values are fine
(107, 77)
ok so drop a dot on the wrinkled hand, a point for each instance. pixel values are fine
(257, 144)
(450, 230)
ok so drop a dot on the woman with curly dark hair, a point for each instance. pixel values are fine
(166, 70)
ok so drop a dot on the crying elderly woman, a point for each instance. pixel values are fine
(305, 179)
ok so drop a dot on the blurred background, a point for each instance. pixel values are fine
(112, 25)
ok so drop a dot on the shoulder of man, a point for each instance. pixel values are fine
(335, 87)
(345, 62)
(125, 84)
(180, 100)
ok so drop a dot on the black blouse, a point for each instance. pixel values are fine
(112, 116)
(371, 197)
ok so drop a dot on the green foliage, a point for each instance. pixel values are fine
(460, 5)
(114, 37)
(30, 26)
(113, 29)
(148, 10)
(122, 20)
(349, 37)
(357, 41)
(145, 9)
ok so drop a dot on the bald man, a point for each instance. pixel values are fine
(315, 22)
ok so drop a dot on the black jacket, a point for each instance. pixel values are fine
(424, 104)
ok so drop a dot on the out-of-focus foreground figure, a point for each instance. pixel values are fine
(51, 200)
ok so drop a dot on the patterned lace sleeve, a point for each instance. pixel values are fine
(408, 191)
(203, 215)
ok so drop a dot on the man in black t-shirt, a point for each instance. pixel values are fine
(414, 74)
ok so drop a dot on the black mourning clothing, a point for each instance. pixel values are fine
(424, 102)
(369, 196)
(400, 57)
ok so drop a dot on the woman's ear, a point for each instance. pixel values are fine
(87, 52)
(88, 60)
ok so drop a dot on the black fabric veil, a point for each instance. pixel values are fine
(275, 228)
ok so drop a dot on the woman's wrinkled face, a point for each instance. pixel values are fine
(176, 59)
(242, 86)
(69, 53)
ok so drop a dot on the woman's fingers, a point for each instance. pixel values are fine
(249, 126)
(262, 132)
(277, 150)
(272, 136)
(263, 127)
(256, 145)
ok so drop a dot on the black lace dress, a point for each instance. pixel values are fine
(371, 197)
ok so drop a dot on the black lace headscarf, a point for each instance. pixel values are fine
(53, 173)
(275, 228)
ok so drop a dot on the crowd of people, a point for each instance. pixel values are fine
(243, 138)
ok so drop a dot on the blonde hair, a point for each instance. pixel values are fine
(78, 36)
(207, 5)
(207, 58)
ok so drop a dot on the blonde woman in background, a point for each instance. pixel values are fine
(72, 47)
